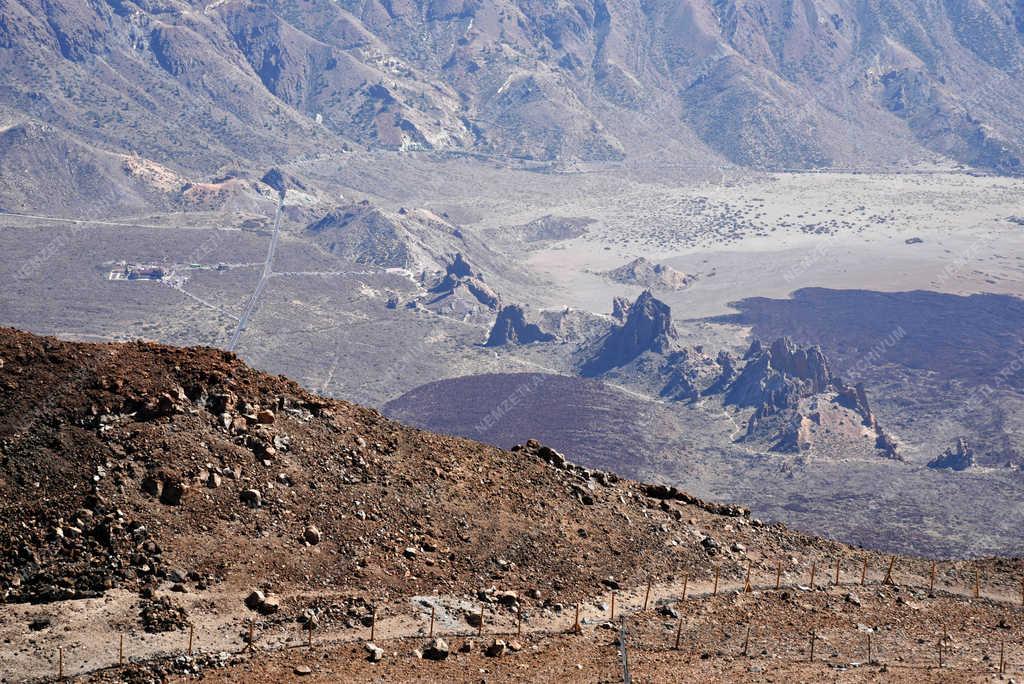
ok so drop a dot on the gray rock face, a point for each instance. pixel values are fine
(780, 376)
(511, 328)
(620, 308)
(856, 399)
(648, 327)
(727, 373)
(960, 457)
(459, 274)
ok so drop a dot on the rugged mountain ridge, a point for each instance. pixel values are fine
(203, 88)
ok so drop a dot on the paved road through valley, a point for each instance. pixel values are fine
(268, 269)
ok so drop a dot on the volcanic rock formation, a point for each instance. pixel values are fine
(648, 328)
(959, 457)
(511, 328)
(458, 275)
(780, 376)
(795, 396)
(643, 272)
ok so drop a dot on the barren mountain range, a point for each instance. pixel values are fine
(155, 95)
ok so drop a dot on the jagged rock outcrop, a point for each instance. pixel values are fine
(796, 397)
(620, 308)
(459, 274)
(726, 375)
(511, 328)
(648, 328)
(643, 272)
(683, 377)
(856, 399)
(780, 376)
(960, 457)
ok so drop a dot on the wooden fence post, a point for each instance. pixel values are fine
(430, 634)
(864, 571)
(977, 582)
(888, 573)
(613, 607)
(931, 580)
(686, 579)
(576, 626)
(647, 594)
(714, 592)
(120, 651)
(679, 630)
(838, 561)
(746, 642)
(191, 636)
(869, 649)
(746, 583)
(814, 636)
(519, 622)
(373, 624)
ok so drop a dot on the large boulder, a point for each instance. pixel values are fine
(437, 649)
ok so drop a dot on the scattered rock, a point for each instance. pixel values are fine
(496, 649)
(271, 604)
(375, 654)
(251, 497)
(255, 599)
(173, 492)
(437, 649)
(40, 623)
(312, 535)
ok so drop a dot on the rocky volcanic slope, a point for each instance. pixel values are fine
(121, 462)
(187, 478)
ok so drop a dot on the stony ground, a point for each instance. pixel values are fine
(157, 494)
(763, 635)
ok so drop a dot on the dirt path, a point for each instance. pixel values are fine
(89, 631)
